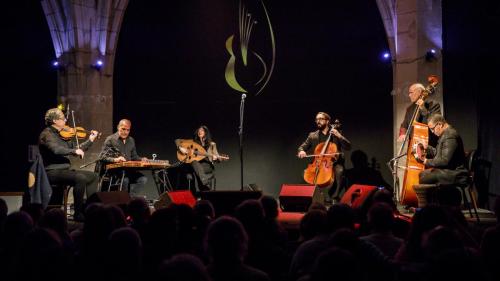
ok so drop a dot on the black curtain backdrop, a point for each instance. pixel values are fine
(169, 79)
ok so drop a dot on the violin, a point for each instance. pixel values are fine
(68, 133)
(320, 171)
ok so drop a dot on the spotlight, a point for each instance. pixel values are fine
(57, 65)
(386, 56)
(98, 64)
(431, 55)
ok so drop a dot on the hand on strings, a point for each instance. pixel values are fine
(420, 153)
(144, 159)
(420, 103)
(93, 135)
(183, 150)
(401, 138)
(79, 152)
(336, 133)
(119, 159)
(302, 154)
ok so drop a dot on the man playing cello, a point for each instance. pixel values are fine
(320, 136)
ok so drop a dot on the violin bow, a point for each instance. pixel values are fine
(74, 128)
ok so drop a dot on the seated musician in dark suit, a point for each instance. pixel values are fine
(120, 147)
(445, 163)
(203, 169)
(55, 151)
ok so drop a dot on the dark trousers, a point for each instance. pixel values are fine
(334, 190)
(443, 176)
(82, 181)
(134, 182)
(204, 170)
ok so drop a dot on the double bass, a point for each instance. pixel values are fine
(320, 171)
(418, 135)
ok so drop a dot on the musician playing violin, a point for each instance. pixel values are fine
(323, 122)
(120, 147)
(426, 108)
(204, 169)
(55, 151)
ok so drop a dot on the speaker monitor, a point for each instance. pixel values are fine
(298, 197)
(225, 202)
(120, 198)
(177, 197)
(358, 195)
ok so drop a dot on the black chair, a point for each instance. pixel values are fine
(59, 197)
(428, 193)
(470, 203)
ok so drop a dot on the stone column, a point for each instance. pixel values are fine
(84, 32)
(413, 28)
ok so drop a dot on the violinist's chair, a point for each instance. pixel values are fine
(426, 193)
(58, 193)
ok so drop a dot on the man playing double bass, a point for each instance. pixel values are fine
(323, 121)
(426, 108)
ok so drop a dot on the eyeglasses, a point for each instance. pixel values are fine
(321, 119)
(433, 128)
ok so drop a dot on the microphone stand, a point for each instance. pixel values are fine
(100, 158)
(240, 133)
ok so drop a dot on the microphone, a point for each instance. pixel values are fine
(243, 96)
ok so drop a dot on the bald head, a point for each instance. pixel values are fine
(124, 128)
(415, 91)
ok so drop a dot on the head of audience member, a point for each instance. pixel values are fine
(340, 216)
(139, 211)
(56, 220)
(4, 210)
(226, 241)
(183, 267)
(35, 210)
(313, 223)
(384, 196)
(16, 226)
(204, 208)
(381, 218)
(251, 214)
(41, 256)
(337, 261)
(317, 206)
(124, 253)
(270, 205)
(440, 239)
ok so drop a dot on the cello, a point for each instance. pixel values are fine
(418, 135)
(320, 171)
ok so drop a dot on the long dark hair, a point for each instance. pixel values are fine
(208, 136)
